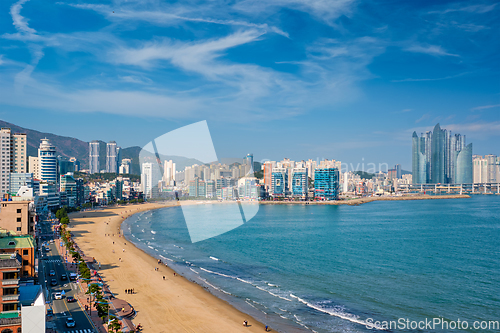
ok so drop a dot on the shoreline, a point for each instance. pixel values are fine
(175, 304)
(359, 201)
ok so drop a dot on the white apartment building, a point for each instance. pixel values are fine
(12, 156)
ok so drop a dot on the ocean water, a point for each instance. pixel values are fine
(337, 268)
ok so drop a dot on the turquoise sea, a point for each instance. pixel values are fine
(336, 268)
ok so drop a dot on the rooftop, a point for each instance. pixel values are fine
(10, 260)
(9, 240)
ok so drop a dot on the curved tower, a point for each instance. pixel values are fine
(463, 173)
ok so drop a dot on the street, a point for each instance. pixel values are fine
(51, 260)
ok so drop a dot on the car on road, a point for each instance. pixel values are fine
(53, 282)
(52, 272)
(58, 296)
(50, 312)
(73, 276)
(47, 249)
(70, 299)
(64, 276)
(70, 322)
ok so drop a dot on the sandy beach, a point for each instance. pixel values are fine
(171, 305)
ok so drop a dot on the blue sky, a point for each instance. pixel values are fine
(347, 80)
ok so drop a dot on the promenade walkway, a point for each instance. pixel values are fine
(119, 308)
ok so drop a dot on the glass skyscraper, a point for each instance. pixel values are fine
(437, 158)
(326, 183)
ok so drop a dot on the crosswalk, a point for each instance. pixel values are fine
(53, 260)
(86, 330)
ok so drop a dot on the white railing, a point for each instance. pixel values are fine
(10, 297)
(10, 282)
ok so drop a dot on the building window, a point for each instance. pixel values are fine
(9, 307)
(18, 219)
(25, 262)
(19, 211)
(18, 229)
(25, 273)
(25, 252)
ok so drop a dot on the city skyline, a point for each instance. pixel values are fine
(353, 78)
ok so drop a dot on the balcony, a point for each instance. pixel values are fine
(10, 321)
(9, 298)
(10, 282)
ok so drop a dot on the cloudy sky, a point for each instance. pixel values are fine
(339, 79)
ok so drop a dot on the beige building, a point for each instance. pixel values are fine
(486, 169)
(18, 216)
(12, 156)
(34, 167)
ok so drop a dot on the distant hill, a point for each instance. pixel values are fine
(71, 147)
(65, 146)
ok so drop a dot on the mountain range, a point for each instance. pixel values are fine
(72, 147)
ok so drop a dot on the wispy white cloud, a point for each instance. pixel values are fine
(326, 10)
(431, 79)
(424, 117)
(483, 128)
(478, 9)
(135, 79)
(20, 22)
(167, 17)
(483, 107)
(434, 50)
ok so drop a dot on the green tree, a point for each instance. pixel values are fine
(114, 325)
(64, 220)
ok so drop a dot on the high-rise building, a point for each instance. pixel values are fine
(435, 158)
(34, 167)
(464, 166)
(169, 173)
(150, 176)
(299, 183)
(268, 171)
(65, 165)
(280, 182)
(94, 157)
(486, 169)
(20, 179)
(248, 160)
(12, 156)
(76, 163)
(125, 166)
(111, 157)
(399, 173)
(68, 185)
(47, 161)
(326, 183)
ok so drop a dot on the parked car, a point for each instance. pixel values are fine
(64, 277)
(70, 299)
(57, 296)
(53, 282)
(50, 312)
(52, 272)
(70, 322)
